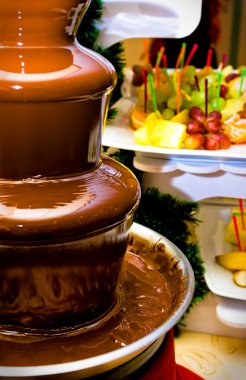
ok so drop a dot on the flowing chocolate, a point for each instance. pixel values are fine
(65, 212)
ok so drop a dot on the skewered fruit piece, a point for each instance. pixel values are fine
(232, 260)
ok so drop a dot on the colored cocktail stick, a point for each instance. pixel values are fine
(152, 90)
(164, 59)
(159, 56)
(168, 79)
(206, 96)
(178, 88)
(208, 60)
(241, 81)
(146, 51)
(180, 56)
(234, 218)
(190, 56)
(197, 82)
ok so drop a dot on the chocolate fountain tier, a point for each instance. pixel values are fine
(63, 241)
(68, 207)
(54, 94)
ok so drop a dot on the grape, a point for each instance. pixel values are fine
(231, 76)
(160, 97)
(221, 104)
(217, 141)
(168, 113)
(197, 98)
(223, 91)
(186, 87)
(190, 71)
(212, 92)
(172, 103)
(211, 143)
(195, 126)
(186, 104)
(215, 115)
(213, 125)
(196, 113)
(194, 141)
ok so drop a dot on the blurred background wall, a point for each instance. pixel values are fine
(224, 20)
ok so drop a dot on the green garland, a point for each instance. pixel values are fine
(161, 212)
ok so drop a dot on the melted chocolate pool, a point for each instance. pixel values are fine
(149, 292)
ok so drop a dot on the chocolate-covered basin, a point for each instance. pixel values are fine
(157, 285)
(63, 241)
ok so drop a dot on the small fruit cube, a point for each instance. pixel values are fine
(141, 136)
(182, 117)
(167, 134)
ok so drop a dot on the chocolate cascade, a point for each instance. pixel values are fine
(65, 210)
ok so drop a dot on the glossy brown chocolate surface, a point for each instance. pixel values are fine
(64, 208)
(65, 212)
(62, 245)
(54, 93)
(148, 299)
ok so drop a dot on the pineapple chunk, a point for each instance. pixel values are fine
(181, 117)
(141, 136)
(167, 134)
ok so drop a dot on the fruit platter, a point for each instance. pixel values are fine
(184, 110)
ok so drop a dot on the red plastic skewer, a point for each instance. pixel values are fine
(234, 218)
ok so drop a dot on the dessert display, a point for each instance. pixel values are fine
(69, 277)
(205, 108)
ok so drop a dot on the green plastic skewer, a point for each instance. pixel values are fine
(152, 90)
(218, 89)
(241, 82)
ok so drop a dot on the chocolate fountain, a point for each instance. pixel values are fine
(66, 211)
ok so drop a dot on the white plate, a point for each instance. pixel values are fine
(214, 219)
(119, 134)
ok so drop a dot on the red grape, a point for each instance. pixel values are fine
(231, 76)
(211, 143)
(194, 126)
(213, 125)
(196, 113)
(223, 91)
(215, 115)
